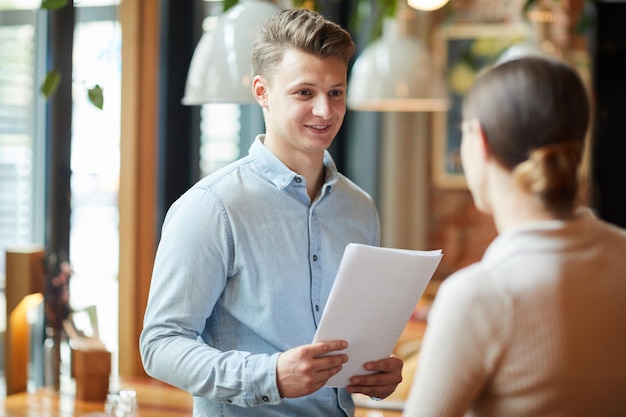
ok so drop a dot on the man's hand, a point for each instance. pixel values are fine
(380, 384)
(303, 370)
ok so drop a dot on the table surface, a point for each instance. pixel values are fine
(366, 412)
(156, 399)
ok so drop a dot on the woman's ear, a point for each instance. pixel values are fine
(259, 90)
(474, 147)
(483, 145)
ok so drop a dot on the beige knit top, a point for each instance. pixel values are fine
(536, 328)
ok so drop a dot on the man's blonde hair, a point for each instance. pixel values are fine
(302, 29)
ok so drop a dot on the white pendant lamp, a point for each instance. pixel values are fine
(540, 44)
(395, 73)
(523, 49)
(427, 4)
(220, 67)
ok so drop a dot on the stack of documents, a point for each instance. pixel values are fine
(373, 297)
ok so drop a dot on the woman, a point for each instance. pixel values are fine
(538, 326)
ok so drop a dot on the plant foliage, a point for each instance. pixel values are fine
(50, 84)
(95, 96)
(54, 4)
(53, 77)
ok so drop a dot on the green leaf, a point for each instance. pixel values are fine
(53, 4)
(389, 8)
(50, 84)
(229, 3)
(95, 96)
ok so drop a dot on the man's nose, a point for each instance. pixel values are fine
(322, 106)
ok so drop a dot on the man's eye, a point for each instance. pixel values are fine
(304, 93)
(336, 93)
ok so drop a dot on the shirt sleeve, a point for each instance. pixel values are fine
(190, 272)
(465, 336)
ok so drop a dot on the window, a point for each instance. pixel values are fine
(95, 155)
(95, 164)
(219, 136)
(21, 133)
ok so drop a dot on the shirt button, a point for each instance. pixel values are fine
(314, 258)
(229, 401)
(298, 180)
(317, 307)
(265, 398)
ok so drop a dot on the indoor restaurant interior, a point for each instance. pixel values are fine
(111, 109)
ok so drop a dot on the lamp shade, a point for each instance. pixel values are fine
(427, 4)
(220, 67)
(395, 73)
(541, 43)
(523, 49)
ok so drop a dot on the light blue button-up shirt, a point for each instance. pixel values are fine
(242, 272)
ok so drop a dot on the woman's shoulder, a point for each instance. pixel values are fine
(474, 284)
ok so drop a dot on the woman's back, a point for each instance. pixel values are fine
(535, 329)
(566, 282)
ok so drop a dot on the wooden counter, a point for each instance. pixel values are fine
(158, 399)
(367, 412)
(155, 398)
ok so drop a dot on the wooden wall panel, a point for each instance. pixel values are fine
(137, 200)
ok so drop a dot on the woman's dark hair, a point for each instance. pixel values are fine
(535, 113)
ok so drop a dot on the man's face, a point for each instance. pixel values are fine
(304, 104)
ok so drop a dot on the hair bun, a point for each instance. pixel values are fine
(550, 172)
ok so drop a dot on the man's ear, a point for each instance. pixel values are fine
(259, 90)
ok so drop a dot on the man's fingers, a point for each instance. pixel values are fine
(326, 347)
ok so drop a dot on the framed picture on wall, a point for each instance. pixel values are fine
(463, 50)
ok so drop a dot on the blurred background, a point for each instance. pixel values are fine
(89, 167)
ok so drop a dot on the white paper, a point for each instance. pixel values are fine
(372, 299)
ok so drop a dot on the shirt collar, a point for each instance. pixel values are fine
(278, 173)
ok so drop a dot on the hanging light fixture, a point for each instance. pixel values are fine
(220, 67)
(541, 18)
(395, 73)
(427, 4)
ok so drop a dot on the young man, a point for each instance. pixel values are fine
(249, 254)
